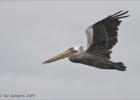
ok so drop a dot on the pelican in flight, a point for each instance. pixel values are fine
(101, 37)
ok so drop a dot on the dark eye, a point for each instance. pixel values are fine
(71, 49)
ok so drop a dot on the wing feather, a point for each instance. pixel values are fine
(106, 34)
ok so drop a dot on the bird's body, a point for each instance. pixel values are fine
(96, 60)
(102, 36)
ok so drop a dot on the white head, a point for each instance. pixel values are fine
(77, 48)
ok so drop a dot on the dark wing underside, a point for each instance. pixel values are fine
(105, 34)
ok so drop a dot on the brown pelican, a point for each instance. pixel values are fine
(102, 36)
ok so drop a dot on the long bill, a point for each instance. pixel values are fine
(60, 56)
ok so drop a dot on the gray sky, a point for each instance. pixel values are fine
(34, 31)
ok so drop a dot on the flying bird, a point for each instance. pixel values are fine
(101, 37)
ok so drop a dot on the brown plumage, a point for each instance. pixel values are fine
(106, 33)
(102, 36)
(105, 36)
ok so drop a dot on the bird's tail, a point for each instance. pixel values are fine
(119, 66)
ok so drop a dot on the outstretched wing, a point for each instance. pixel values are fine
(105, 34)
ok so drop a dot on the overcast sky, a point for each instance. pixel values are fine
(31, 32)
